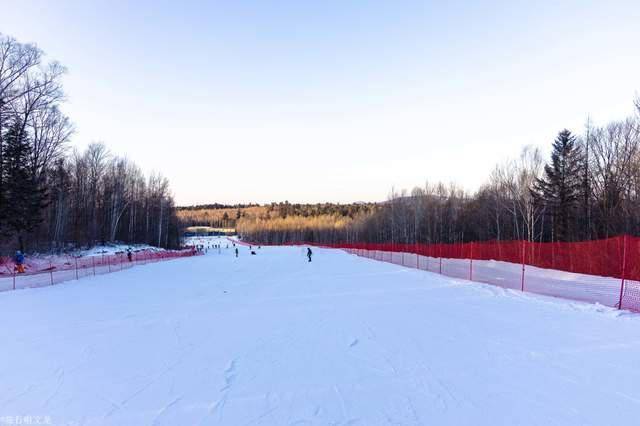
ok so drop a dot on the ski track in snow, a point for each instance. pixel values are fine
(274, 340)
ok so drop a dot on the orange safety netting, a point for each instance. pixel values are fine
(600, 271)
(41, 272)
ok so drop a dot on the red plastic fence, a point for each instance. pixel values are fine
(600, 271)
(43, 272)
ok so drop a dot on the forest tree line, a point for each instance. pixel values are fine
(287, 222)
(216, 215)
(588, 188)
(243, 215)
(53, 197)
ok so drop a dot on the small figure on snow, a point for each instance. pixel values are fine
(236, 251)
(309, 253)
(19, 262)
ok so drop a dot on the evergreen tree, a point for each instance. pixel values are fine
(22, 197)
(560, 188)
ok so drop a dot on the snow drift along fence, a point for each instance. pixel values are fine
(40, 273)
(600, 271)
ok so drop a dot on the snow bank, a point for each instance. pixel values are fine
(43, 261)
(549, 282)
(114, 248)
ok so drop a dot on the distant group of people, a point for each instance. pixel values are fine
(204, 248)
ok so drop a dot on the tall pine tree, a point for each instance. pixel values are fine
(23, 199)
(560, 188)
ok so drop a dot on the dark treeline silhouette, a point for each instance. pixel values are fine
(215, 206)
(589, 188)
(54, 198)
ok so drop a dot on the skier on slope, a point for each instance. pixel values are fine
(19, 262)
(236, 251)
(309, 253)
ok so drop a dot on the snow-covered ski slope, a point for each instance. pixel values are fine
(274, 340)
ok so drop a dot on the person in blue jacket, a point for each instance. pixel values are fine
(19, 262)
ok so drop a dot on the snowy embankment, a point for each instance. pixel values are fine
(272, 339)
(549, 282)
(35, 262)
(47, 269)
(115, 248)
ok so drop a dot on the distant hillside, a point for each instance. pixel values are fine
(245, 215)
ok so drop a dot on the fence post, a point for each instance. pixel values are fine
(108, 263)
(624, 267)
(14, 278)
(93, 263)
(51, 272)
(523, 249)
(76, 268)
(471, 264)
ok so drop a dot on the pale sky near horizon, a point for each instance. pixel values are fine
(259, 101)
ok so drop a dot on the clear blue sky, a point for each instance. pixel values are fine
(244, 101)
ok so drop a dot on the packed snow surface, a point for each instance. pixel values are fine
(271, 339)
